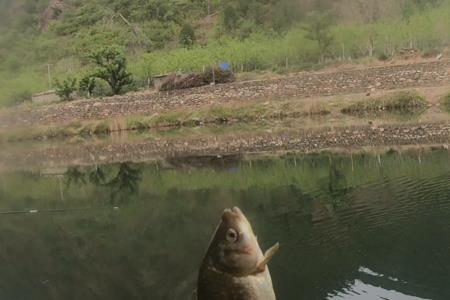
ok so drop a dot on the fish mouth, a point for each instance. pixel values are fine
(233, 214)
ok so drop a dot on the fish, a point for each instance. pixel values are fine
(234, 267)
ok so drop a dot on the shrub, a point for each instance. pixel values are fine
(187, 36)
(446, 102)
(66, 88)
(87, 85)
(383, 57)
(401, 101)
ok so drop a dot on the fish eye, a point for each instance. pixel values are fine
(232, 235)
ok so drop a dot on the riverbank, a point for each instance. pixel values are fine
(347, 138)
(349, 110)
(300, 86)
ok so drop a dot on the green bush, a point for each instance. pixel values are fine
(446, 102)
(187, 36)
(66, 88)
(87, 85)
(399, 101)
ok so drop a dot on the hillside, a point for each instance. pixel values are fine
(38, 36)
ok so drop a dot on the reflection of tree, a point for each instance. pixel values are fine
(97, 176)
(74, 176)
(122, 185)
(337, 186)
(338, 182)
(126, 182)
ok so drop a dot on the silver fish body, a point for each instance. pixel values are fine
(216, 285)
(234, 267)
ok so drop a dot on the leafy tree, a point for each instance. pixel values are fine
(66, 88)
(112, 68)
(318, 28)
(187, 35)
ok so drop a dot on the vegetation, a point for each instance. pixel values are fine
(187, 36)
(401, 101)
(446, 102)
(160, 36)
(186, 118)
(318, 29)
(87, 85)
(112, 68)
(229, 114)
(65, 88)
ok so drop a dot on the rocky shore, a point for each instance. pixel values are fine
(302, 85)
(302, 141)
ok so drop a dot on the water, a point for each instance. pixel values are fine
(350, 227)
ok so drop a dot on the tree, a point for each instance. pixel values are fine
(187, 35)
(318, 29)
(112, 68)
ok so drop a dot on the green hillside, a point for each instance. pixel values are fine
(168, 35)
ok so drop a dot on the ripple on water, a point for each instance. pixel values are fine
(387, 223)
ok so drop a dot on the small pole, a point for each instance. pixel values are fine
(353, 166)
(61, 188)
(49, 74)
(148, 83)
(214, 75)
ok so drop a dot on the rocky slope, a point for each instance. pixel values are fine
(302, 85)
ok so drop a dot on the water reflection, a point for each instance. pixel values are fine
(121, 181)
(126, 183)
(370, 288)
(362, 291)
(74, 176)
(331, 213)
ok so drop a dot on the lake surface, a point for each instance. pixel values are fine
(350, 227)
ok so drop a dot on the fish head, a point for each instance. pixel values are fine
(235, 249)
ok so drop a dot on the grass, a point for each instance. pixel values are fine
(225, 114)
(446, 102)
(404, 101)
(83, 129)
(229, 114)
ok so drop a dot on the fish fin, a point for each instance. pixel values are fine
(267, 257)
